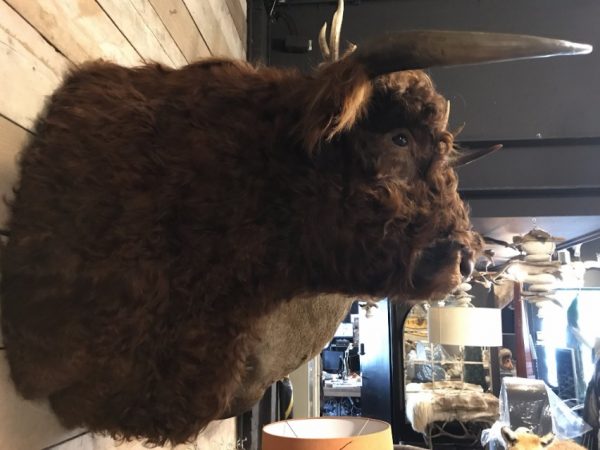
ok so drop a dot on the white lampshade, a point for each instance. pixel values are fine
(328, 433)
(477, 327)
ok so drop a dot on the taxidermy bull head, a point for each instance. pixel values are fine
(180, 239)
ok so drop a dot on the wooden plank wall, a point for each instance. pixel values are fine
(39, 41)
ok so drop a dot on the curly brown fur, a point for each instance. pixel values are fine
(162, 213)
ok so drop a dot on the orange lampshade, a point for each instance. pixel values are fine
(328, 433)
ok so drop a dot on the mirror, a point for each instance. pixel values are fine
(446, 387)
(425, 362)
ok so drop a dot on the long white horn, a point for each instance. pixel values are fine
(323, 43)
(421, 49)
(336, 30)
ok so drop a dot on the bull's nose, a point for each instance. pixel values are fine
(466, 263)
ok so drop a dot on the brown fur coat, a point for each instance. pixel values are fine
(161, 213)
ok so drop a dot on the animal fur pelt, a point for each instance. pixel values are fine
(161, 212)
(524, 439)
(163, 218)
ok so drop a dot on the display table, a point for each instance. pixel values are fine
(430, 408)
(342, 388)
(342, 397)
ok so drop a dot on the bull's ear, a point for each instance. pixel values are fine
(509, 435)
(422, 49)
(340, 89)
(547, 439)
(336, 99)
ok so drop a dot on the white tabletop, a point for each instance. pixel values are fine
(342, 388)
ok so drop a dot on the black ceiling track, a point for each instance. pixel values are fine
(534, 192)
(528, 143)
(587, 237)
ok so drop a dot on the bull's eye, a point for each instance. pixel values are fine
(401, 140)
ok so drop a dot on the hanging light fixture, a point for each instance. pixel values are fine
(540, 273)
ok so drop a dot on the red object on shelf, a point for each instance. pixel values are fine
(525, 366)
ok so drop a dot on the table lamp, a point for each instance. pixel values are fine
(465, 326)
(328, 433)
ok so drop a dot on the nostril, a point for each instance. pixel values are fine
(466, 263)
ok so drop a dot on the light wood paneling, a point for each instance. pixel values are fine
(80, 29)
(238, 16)
(228, 28)
(26, 425)
(216, 25)
(244, 6)
(144, 30)
(176, 17)
(12, 139)
(30, 69)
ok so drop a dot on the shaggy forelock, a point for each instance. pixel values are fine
(415, 90)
